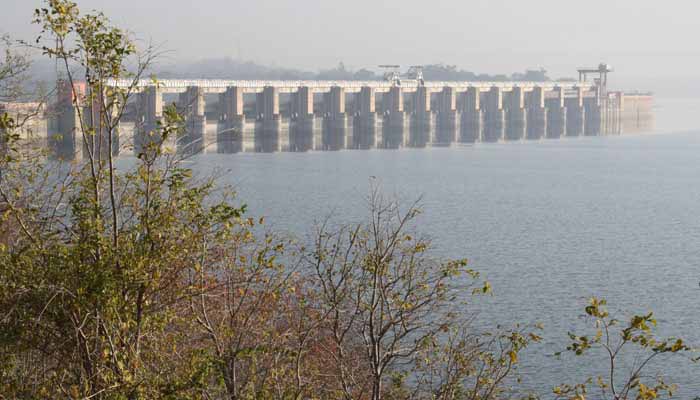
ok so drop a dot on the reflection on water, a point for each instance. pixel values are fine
(340, 132)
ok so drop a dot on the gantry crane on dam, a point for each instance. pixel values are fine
(414, 75)
(602, 70)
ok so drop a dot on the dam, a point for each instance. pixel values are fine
(232, 116)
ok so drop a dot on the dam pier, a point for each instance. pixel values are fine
(231, 116)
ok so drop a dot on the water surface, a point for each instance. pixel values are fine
(550, 223)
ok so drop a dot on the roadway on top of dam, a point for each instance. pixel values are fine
(290, 86)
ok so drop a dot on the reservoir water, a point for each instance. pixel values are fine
(549, 223)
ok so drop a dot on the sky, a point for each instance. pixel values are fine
(646, 41)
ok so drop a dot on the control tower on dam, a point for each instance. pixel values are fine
(230, 116)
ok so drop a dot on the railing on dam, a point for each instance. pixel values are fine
(219, 85)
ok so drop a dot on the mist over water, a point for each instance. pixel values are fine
(677, 114)
(549, 223)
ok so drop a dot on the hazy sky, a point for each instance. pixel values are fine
(640, 38)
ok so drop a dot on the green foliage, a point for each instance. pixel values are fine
(397, 317)
(100, 310)
(468, 365)
(9, 137)
(621, 380)
(13, 70)
(100, 48)
(14, 66)
(96, 266)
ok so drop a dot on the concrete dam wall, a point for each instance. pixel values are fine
(271, 116)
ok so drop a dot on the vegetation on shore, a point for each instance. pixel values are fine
(148, 283)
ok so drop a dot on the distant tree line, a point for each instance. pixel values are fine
(227, 68)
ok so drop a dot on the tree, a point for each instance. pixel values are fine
(470, 365)
(390, 306)
(13, 70)
(95, 280)
(531, 75)
(365, 75)
(13, 73)
(243, 313)
(621, 380)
